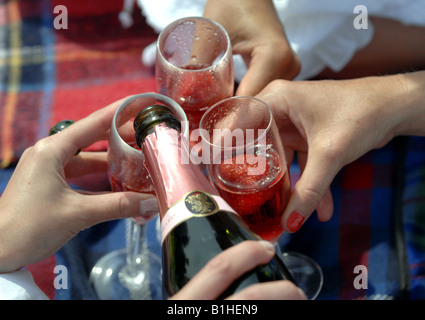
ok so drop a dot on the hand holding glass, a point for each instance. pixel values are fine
(134, 272)
(246, 163)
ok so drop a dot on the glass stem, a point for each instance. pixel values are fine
(277, 248)
(280, 256)
(134, 276)
(136, 246)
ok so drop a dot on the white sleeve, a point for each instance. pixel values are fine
(20, 285)
(321, 33)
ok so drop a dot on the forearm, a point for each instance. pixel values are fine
(395, 48)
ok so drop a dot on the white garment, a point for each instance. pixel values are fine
(20, 285)
(321, 33)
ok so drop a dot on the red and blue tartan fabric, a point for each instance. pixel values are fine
(47, 75)
(413, 216)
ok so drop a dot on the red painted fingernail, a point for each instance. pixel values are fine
(295, 221)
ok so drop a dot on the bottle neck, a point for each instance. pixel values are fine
(173, 175)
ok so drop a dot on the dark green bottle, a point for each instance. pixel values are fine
(196, 223)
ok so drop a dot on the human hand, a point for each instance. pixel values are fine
(258, 36)
(222, 270)
(332, 123)
(40, 212)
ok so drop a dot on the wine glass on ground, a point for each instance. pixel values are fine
(246, 163)
(133, 272)
(194, 66)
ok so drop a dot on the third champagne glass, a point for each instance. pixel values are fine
(246, 163)
(194, 65)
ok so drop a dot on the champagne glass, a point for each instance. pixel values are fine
(246, 163)
(194, 66)
(133, 272)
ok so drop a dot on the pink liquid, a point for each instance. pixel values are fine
(198, 91)
(142, 185)
(259, 199)
(195, 66)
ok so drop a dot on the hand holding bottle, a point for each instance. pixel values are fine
(232, 263)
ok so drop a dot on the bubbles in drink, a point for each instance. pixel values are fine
(248, 171)
(259, 199)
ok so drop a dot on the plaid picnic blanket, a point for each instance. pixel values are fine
(49, 74)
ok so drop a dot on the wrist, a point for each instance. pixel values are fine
(409, 103)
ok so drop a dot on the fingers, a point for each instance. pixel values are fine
(276, 290)
(96, 208)
(259, 74)
(223, 269)
(254, 80)
(85, 131)
(318, 157)
(311, 192)
(86, 163)
(326, 207)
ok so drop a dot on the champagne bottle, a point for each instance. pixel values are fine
(196, 223)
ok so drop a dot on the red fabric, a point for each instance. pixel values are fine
(44, 275)
(55, 74)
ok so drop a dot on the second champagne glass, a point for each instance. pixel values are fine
(134, 272)
(194, 65)
(246, 163)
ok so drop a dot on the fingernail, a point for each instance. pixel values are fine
(268, 245)
(294, 221)
(302, 294)
(148, 207)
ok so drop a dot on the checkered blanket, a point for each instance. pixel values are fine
(49, 74)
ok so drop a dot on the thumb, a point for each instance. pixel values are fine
(255, 78)
(311, 192)
(260, 73)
